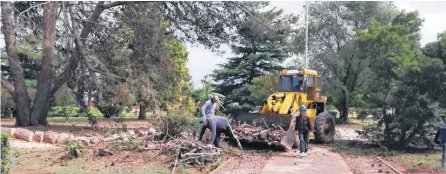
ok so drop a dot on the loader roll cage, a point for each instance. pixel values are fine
(291, 83)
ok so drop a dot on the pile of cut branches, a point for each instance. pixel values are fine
(188, 151)
(259, 137)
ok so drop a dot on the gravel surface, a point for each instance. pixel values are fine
(246, 163)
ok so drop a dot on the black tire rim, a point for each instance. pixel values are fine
(327, 127)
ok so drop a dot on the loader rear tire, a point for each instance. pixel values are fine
(324, 130)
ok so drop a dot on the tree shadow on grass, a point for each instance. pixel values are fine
(81, 127)
(363, 148)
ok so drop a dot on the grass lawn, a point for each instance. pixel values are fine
(79, 119)
(364, 122)
(427, 160)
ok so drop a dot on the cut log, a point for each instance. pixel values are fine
(63, 138)
(103, 152)
(125, 135)
(141, 133)
(97, 139)
(50, 137)
(24, 134)
(9, 131)
(152, 131)
(112, 138)
(131, 132)
(38, 136)
(146, 138)
(85, 140)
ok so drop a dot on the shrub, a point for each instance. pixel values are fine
(178, 124)
(64, 111)
(363, 113)
(128, 112)
(95, 112)
(5, 150)
(74, 111)
(75, 148)
(6, 104)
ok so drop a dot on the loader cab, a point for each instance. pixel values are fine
(291, 83)
(304, 81)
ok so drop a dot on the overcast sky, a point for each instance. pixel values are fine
(203, 61)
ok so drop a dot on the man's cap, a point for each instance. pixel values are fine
(216, 98)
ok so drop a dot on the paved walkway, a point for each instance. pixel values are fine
(318, 161)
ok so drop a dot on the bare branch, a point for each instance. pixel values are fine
(33, 7)
(86, 30)
(83, 54)
(7, 85)
(118, 3)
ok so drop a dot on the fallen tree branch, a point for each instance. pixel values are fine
(175, 165)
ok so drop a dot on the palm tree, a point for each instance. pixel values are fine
(206, 92)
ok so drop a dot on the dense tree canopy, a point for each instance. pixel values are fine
(334, 53)
(70, 33)
(118, 54)
(405, 88)
(258, 51)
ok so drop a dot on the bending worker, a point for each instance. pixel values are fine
(218, 125)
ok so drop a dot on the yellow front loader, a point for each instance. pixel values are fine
(296, 88)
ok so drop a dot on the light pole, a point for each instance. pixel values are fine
(306, 34)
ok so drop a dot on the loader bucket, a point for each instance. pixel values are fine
(267, 119)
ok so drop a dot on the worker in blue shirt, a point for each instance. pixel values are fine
(218, 125)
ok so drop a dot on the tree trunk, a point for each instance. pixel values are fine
(344, 106)
(86, 59)
(17, 87)
(45, 82)
(89, 98)
(142, 112)
(19, 93)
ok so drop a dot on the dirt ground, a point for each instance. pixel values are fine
(249, 162)
(31, 157)
(368, 163)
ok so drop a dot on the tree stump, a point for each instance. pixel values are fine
(38, 136)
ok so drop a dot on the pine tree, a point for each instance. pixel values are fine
(262, 47)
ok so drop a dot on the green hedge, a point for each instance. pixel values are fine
(73, 111)
(5, 150)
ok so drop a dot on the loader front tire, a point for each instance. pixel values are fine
(324, 130)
